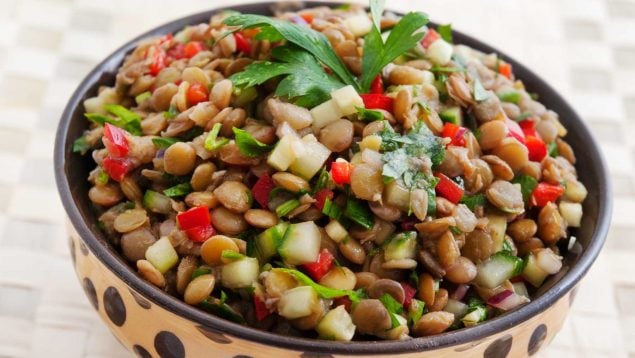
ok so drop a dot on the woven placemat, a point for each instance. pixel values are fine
(586, 49)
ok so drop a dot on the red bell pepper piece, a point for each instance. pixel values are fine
(115, 141)
(261, 308)
(320, 197)
(197, 93)
(117, 168)
(515, 130)
(177, 52)
(377, 86)
(528, 126)
(455, 133)
(192, 48)
(378, 101)
(201, 233)
(536, 147)
(242, 43)
(345, 301)
(320, 267)
(166, 38)
(307, 17)
(431, 36)
(341, 172)
(261, 190)
(545, 193)
(409, 293)
(195, 217)
(448, 188)
(159, 60)
(505, 69)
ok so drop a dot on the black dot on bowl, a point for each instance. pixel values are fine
(536, 340)
(114, 306)
(141, 352)
(243, 356)
(499, 348)
(214, 335)
(83, 248)
(168, 345)
(89, 288)
(142, 302)
(71, 248)
(315, 355)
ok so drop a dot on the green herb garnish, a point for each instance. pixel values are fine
(248, 145)
(369, 115)
(163, 142)
(212, 142)
(323, 291)
(287, 207)
(178, 190)
(140, 98)
(446, 32)
(393, 307)
(527, 185)
(125, 118)
(80, 145)
(472, 201)
(358, 211)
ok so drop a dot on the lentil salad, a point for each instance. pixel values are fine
(424, 187)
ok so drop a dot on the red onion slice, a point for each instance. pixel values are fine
(460, 292)
(507, 300)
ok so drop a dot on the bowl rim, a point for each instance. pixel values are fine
(453, 338)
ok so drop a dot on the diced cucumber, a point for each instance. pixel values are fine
(397, 195)
(498, 269)
(241, 273)
(509, 96)
(336, 325)
(346, 98)
(520, 289)
(298, 302)
(497, 225)
(288, 149)
(401, 246)
(571, 212)
(156, 202)
(162, 255)
(452, 115)
(479, 314)
(301, 243)
(336, 231)
(308, 164)
(325, 114)
(456, 307)
(268, 241)
(439, 52)
(533, 273)
(575, 191)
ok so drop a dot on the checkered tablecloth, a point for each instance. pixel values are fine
(585, 48)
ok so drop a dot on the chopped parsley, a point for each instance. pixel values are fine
(446, 32)
(248, 145)
(80, 145)
(125, 118)
(527, 185)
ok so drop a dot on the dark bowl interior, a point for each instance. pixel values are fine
(71, 171)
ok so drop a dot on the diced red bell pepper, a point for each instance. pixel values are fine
(159, 60)
(307, 17)
(321, 196)
(177, 52)
(343, 301)
(261, 308)
(536, 147)
(455, 133)
(201, 233)
(117, 168)
(115, 141)
(545, 193)
(377, 86)
(320, 267)
(431, 36)
(505, 69)
(409, 293)
(192, 48)
(408, 224)
(166, 38)
(242, 43)
(516, 279)
(341, 172)
(197, 93)
(193, 218)
(514, 130)
(448, 188)
(261, 190)
(378, 101)
(528, 127)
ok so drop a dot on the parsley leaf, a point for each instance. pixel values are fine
(306, 82)
(369, 115)
(310, 40)
(178, 190)
(163, 142)
(394, 308)
(446, 32)
(126, 119)
(249, 145)
(472, 201)
(80, 145)
(357, 211)
(527, 185)
(402, 37)
(323, 291)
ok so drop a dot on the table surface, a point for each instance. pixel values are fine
(586, 49)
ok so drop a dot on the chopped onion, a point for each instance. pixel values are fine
(548, 261)
(460, 292)
(507, 300)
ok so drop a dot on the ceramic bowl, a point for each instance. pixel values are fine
(153, 324)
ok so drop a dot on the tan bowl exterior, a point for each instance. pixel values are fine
(153, 331)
